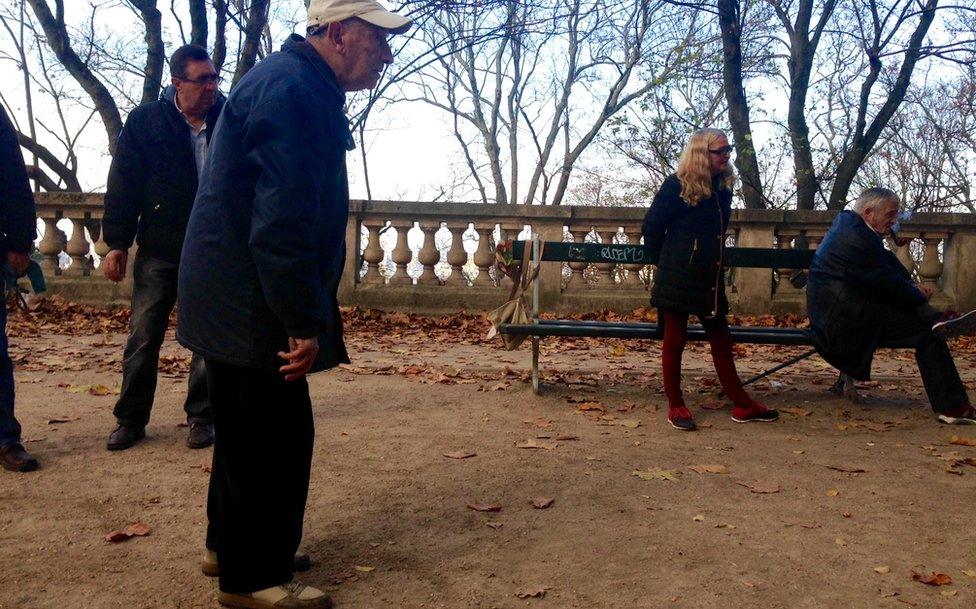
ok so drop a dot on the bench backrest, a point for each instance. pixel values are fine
(744, 257)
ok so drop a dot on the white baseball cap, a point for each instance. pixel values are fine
(324, 12)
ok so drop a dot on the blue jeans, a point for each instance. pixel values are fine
(153, 298)
(9, 427)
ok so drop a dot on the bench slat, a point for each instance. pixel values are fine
(747, 257)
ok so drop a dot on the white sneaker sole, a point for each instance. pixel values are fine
(964, 324)
(944, 418)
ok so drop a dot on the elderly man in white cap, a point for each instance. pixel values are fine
(261, 263)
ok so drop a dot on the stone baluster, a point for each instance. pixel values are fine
(77, 247)
(903, 253)
(785, 241)
(373, 255)
(930, 269)
(576, 278)
(456, 256)
(633, 279)
(51, 244)
(484, 256)
(605, 269)
(101, 248)
(401, 255)
(428, 255)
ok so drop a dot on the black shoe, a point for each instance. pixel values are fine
(201, 435)
(123, 437)
(15, 459)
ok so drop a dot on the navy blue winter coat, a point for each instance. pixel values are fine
(18, 223)
(153, 179)
(264, 247)
(852, 277)
(687, 243)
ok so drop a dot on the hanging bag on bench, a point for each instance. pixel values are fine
(514, 311)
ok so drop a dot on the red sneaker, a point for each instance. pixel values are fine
(755, 412)
(680, 418)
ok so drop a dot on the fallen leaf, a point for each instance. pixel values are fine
(533, 443)
(99, 389)
(935, 579)
(657, 474)
(494, 524)
(712, 405)
(618, 351)
(538, 592)
(566, 437)
(969, 572)
(541, 503)
(724, 525)
(762, 488)
(709, 468)
(832, 492)
(79, 388)
(698, 517)
(591, 406)
(116, 536)
(630, 423)
(60, 420)
(962, 441)
(459, 454)
(364, 568)
(797, 412)
(840, 541)
(485, 507)
(882, 569)
(948, 593)
(847, 469)
(137, 529)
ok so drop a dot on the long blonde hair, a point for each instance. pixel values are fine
(695, 169)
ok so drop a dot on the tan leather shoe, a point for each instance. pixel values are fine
(303, 562)
(292, 595)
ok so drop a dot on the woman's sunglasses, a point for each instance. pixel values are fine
(722, 150)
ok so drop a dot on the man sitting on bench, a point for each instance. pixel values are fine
(860, 297)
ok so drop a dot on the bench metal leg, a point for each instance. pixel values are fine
(535, 365)
(845, 386)
(790, 362)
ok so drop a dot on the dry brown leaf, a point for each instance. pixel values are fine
(541, 503)
(882, 569)
(364, 568)
(55, 421)
(698, 517)
(797, 412)
(460, 454)
(655, 473)
(618, 351)
(934, 579)
(969, 572)
(630, 423)
(847, 469)
(590, 406)
(763, 487)
(832, 492)
(534, 592)
(137, 529)
(948, 593)
(494, 524)
(962, 441)
(534, 443)
(724, 525)
(485, 507)
(709, 468)
(840, 541)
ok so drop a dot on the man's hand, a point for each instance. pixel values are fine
(114, 263)
(18, 263)
(925, 290)
(300, 358)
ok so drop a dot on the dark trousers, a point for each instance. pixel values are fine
(153, 298)
(262, 462)
(9, 427)
(719, 340)
(939, 375)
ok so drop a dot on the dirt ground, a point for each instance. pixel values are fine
(832, 506)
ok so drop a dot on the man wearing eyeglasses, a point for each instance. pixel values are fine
(151, 187)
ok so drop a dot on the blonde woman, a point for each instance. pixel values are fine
(685, 232)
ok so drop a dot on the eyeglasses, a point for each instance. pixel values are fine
(722, 150)
(203, 81)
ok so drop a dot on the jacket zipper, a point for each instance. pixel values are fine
(721, 255)
(694, 248)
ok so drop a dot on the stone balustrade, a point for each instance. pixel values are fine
(438, 257)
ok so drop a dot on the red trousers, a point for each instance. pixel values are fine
(720, 340)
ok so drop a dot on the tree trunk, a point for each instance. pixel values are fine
(198, 22)
(735, 95)
(864, 139)
(155, 51)
(57, 38)
(219, 54)
(257, 18)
